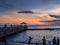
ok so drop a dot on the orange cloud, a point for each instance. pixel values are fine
(29, 19)
(14, 20)
(8, 19)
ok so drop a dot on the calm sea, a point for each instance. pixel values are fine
(37, 35)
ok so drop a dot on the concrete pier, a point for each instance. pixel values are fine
(5, 31)
(8, 31)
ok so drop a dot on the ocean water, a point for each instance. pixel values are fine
(37, 35)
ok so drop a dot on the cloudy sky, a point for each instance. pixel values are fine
(39, 12)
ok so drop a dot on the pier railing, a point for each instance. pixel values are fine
(11, 30)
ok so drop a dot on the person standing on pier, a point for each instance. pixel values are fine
(29, 41)
(54, 41)
(5, 25)
(57, 41)
(44, 40)
(36, 43)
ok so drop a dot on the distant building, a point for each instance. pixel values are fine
(5, 25)
(24, 25)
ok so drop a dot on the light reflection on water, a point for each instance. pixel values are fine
(37, 36)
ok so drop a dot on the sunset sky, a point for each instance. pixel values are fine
(37, 12)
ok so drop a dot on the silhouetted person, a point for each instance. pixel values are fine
(54, 41)
(29, 41)
(5, 25)
(44, 40)
(36, 43)
(57, 41)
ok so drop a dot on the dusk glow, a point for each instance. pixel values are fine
(29, 22)
(32, 12)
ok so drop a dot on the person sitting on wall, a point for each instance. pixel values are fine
(57, 41)
(30, 38)
(44, 40)
(54, 41)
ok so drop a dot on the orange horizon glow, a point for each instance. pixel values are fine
(7, 19)
(14, 20)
